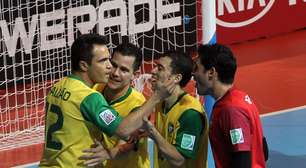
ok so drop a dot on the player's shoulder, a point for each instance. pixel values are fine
(188, 100)
(137, 96)
(99, 87)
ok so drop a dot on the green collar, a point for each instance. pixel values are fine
(165, 111)
(128, 92)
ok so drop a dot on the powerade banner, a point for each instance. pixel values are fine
(35, 36)
(241, 20)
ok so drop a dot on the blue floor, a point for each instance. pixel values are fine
(286, 136)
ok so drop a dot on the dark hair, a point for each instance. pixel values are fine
(129, 49)
(81, 49)
(181, 63)
(221, 58)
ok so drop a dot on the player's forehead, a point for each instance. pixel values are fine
(100, 51)
(164, 62)
(197, 62)
(121, 60)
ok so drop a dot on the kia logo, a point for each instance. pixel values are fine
(244, 22)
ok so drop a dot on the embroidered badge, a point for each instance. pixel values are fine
(188, 141)
(107, 116)
(236, 136)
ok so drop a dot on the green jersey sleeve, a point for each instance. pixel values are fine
(96, 110)
(189, 133)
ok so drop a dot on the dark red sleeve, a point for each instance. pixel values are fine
(235, 125)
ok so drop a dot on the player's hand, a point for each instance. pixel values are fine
(95, 155)
(164, 90)
(148, 126)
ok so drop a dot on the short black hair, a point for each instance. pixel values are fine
(221, 58)
(81, 49)
(131, 50)
(181, 63)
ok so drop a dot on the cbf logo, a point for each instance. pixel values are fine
(239, 13)
(170, 128)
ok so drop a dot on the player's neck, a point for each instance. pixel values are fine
(173, 98)
(221, 89)
(112, 94)
(84, 77)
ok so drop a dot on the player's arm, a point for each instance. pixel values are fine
(134, 120)
(98, 153)
(189, 134)
(242, 159)
(96, 110)
(123, 147)
(236, 127)
(187, 139)
(168, 151)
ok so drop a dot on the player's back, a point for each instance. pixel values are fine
(67, 131)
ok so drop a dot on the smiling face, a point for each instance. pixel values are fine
(122, 71)
(100, 68)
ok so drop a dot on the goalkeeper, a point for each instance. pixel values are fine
(76, 114)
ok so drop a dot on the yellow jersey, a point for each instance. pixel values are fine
(185, 126)
(75, 115)
(124, 105)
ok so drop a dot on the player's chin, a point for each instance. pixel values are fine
(112, 85)
(104, 80)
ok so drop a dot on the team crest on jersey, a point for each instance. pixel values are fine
(107, 116)
(170, 128)
(236, 136)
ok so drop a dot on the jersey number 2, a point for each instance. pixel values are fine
(54, 127)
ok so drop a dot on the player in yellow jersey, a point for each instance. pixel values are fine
(76, 114)
(126, 60)
(181, 133)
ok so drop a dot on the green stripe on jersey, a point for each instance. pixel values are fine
(95, 109)
(189, 133)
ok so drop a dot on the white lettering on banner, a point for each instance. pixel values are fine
(141, 27)
(46, 31)
(113, 21)
(84, 27)
(241, 7)
(19, 30)
(127, 24)
(293, 2)
(166, 9)
(228, 4)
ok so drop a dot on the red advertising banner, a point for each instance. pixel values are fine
(240, 20)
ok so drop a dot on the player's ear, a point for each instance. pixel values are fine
(137, 73)
(212, 73)
(83, 66)
(178, 78)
